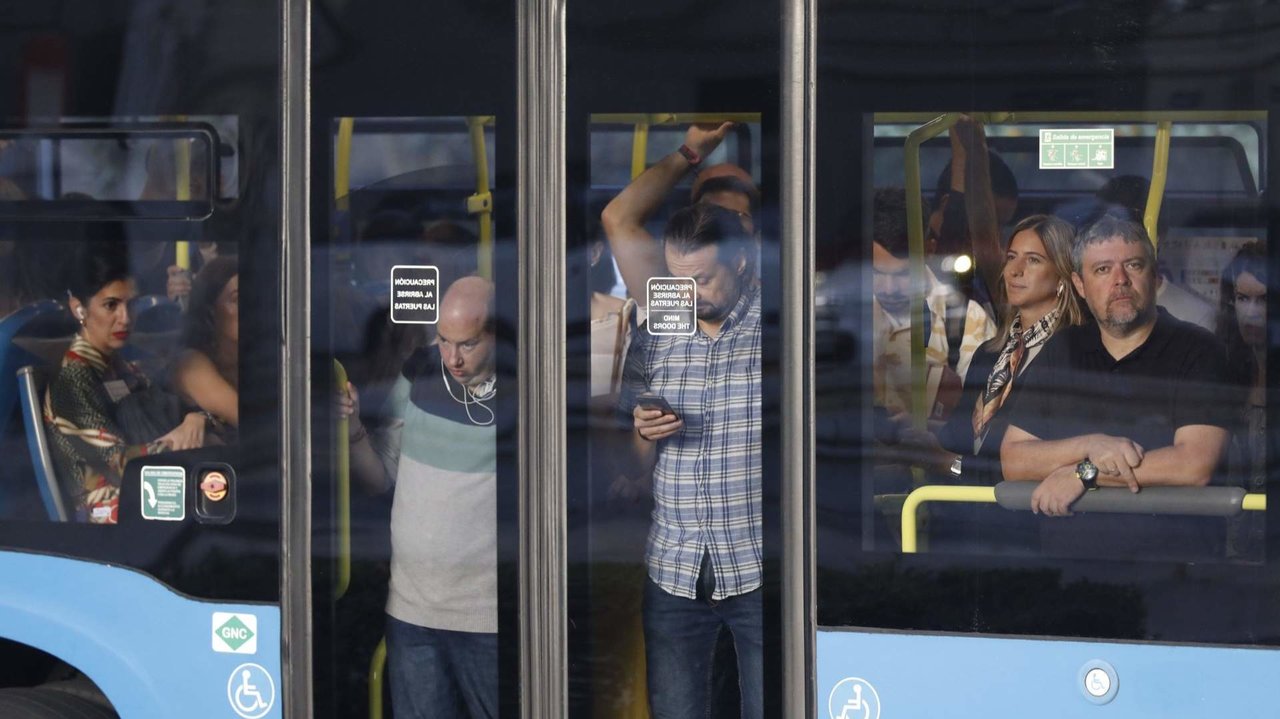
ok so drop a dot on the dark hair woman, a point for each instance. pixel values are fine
(1242, 314)
(102, 410)
(207, 373)
(1242, 327)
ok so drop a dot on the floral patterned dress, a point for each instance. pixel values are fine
(87, 443)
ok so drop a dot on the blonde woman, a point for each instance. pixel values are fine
(1037, 300)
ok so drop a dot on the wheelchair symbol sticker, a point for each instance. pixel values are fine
(251, 691)
(853, 698)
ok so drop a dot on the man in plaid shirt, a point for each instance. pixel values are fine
(704, 547)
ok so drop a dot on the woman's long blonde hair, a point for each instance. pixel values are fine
(1058, 238)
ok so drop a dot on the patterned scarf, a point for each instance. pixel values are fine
(1000, 383)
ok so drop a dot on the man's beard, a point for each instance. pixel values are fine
(1121, 324)
(714, 313)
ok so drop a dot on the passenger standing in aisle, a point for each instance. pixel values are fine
(704, 549)
(439, 452)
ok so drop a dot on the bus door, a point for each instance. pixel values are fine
(1025, 251)
(140, 498)
(414, 324)
(672, 314)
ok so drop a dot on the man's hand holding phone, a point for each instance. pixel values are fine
(654, 418)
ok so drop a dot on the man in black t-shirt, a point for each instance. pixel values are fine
(1138, 399)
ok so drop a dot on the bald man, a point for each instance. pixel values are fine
(439, 453)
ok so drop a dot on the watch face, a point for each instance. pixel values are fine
(1087, 472)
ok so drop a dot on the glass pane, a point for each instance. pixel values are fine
(102, 168)
(1041, 383)
(675, 357)
(672, 314)
(138, 244)
(413, 357)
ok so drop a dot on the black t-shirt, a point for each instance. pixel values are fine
(1177, 378)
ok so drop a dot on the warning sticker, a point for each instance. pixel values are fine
(673, 305)
(1078, 149)
(235, 633)
(164, 493)
(415, 294)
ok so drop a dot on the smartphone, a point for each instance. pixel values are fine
(653, 401)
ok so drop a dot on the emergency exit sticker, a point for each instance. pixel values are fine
(235, 633)
(415, 294)
(673, 306)
(1078, 149)
(164, 493)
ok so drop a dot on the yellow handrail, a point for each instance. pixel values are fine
(639, 149)
(342, 162)
(1159, 175)
(376, 666)
(987, 495)
(915, 251)
(642, 122)
(903, 118)
(937, 493)
(342, 578)
(671, 118)
(481, 203)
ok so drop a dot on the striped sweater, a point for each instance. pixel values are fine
(443, 516)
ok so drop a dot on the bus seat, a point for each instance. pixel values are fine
(157, 322)
(31, 384)
(155, 314)
(38, 333)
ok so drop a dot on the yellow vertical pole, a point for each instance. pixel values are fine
(481, 203)
(182, 189)
(377, 673)
(1159, 176)
(342, 580)
(639, 149)
(915, 244)
(342, 162)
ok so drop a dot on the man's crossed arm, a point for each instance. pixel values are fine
(1121, 462)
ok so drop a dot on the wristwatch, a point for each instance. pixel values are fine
(1087, 473)
(956, 464)
(690, 155)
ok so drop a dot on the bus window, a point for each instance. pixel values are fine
(1041, 391)
(132, 219)
(112, 167)
(945, 393)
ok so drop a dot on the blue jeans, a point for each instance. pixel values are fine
(441, 674)
(680, 645)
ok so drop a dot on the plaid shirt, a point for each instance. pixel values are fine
(706, 484)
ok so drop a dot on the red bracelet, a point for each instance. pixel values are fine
(692, 157)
